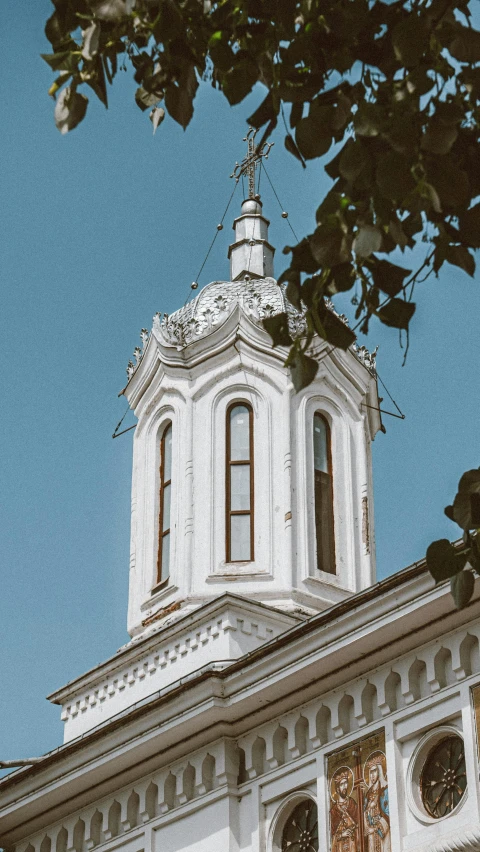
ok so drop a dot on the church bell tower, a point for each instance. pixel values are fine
(240, 484)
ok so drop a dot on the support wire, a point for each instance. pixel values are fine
(279, 202)
(219, 228)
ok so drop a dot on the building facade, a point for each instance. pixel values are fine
(273, 697)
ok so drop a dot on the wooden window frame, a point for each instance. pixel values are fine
(161, 532)
(228, 466)
(333, 573)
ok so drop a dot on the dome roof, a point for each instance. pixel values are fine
(258, 297)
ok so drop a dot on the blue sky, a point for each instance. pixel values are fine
(99, 230)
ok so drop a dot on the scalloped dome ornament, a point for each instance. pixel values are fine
(258, 298)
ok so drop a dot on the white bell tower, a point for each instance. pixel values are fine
(240, 484)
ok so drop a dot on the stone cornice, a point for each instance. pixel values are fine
(166, 636)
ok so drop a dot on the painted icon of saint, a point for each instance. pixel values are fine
(343, 812)
(376, 818)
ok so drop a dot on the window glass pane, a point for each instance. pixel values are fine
(240, 487)
(240, 538)
(165, 557)
(167, 459)
(166, 507)
(324, 523)
(320, 444)
(239, 433)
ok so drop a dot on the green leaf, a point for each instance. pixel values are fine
(460, 256)
(449, 512)
(419, 81)
(368, 119)
(388, 277)
(111, 10)
(397, 233)
(70, 109)
(394, 178)
(470, 481)
(342, 278)
(239, 81)
(396, 313)
(156, 117)
(410, 40)
(367, 240)
(292, 149)
(91, 40)
(439, 137)
(462, 587)
(330, 246)
(333, 167)
(179, 99)
(309, 290)
(169, 24)
(469, 226)
(465, 46)
(145, 99)
(296, 113)
(466, 505)
(62, 61)
(220, 51)
(474, 558)
(264, 113)
(290, 274)
(97, 82)
(442, 560)
(310, 141)
(303, 370)
(336, 332)
(293, 294)
(353, 160)
(302, 257)
(277, 327)
(59, 25)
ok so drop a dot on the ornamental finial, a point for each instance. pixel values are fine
(249, 163)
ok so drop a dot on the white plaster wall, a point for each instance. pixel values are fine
(205, 830)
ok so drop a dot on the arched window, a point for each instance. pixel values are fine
(163, 561)
(239, 485)
(322, 463)
(301, 829)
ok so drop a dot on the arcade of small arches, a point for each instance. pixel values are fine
(294, 827)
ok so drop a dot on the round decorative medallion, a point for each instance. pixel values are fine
(443, 780)
(301, 829)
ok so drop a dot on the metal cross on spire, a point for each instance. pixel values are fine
(249, 163)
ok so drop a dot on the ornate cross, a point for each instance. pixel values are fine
(249, 163)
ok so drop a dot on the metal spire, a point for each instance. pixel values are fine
(249, 163)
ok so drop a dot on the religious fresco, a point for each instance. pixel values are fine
(358, 789)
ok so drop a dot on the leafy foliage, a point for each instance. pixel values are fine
(396, 85)
(446, 561)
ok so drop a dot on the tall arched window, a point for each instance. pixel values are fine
(239, 486)
(163, 561)
(322, 463)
